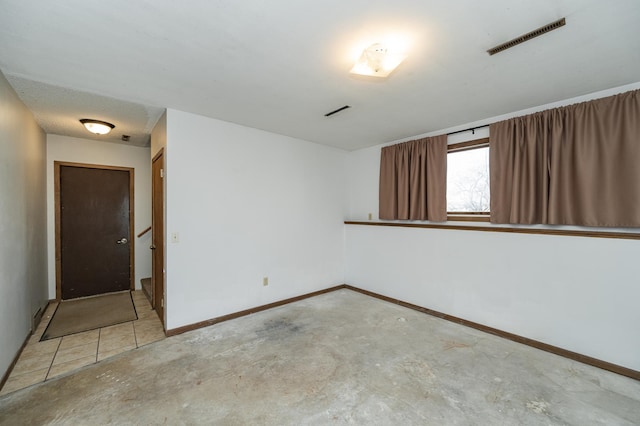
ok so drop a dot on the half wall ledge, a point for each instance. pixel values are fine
(512, 230)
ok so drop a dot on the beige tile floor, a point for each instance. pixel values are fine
(42, 361)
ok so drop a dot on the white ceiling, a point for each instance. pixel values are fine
(58, 111)
(281, 65)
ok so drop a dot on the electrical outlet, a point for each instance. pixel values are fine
(265, 281)
(370, 216)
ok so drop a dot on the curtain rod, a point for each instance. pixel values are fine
(472, 129)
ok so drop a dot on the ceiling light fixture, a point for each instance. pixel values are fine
(96, 126)
(377, 61)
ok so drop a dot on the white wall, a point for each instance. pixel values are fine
(248, 204)
(577, 293)
(75, 150)
(23, 261)
(573, 292)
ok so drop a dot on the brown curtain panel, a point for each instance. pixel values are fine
(413, 180)
(576, 165)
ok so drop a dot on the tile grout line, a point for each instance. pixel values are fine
(98, 345)
(52, 359)
(135, 335)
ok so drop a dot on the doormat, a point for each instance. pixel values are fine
(76, 316)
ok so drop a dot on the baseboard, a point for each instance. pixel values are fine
(206, 323)
(34, 325)
(618, 369)
(6, 375)
(624, 371)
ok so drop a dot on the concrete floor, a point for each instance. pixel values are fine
(339, 358)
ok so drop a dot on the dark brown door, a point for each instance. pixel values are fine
(95, 234)
(157, 226)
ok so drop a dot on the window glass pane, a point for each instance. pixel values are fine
(468, 180)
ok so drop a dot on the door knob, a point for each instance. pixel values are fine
(152, 247)
(122, 241)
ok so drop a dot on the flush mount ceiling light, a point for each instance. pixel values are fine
(96, 126)
(377, 61)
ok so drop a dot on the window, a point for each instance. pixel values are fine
(468, 179)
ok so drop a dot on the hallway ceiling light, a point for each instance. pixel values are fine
(96, 126)
(377, 61)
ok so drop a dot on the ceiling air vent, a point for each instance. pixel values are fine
(329, 114)
(528, 36)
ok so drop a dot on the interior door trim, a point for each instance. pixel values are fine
(155, 280)
(56, 195)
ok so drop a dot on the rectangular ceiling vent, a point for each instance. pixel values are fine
(329, 114)
(528, 36)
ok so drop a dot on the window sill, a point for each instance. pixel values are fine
(468, 217)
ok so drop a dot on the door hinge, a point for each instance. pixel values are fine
(162, 303)
(161, 173)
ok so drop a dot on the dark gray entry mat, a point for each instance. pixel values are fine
(78, 315)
